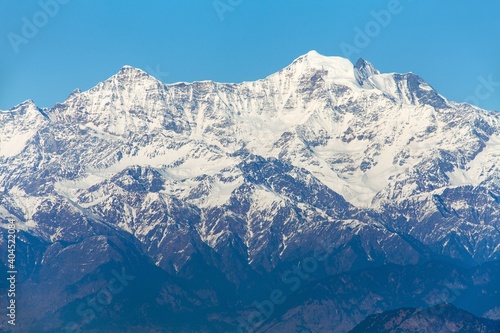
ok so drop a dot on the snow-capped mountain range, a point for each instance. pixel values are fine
(369, 167)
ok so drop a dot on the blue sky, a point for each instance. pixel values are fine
(454, 45)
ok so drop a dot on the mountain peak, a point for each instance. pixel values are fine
(22, 107)
(127, 69)
(313, 54)
(132, 74)
(362, 64)
(316, 59)
(28, 102)
(337, 67)
(364, 70)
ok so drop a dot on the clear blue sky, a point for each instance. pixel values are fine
(449, 43)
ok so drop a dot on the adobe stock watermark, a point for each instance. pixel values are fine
(372, 29)
(293, 278)
(157, 72)
(484, 90)
(32, 26)
(89, 308)
(11, 270)
(438, 301)
(447, 295)
(450, 292)
(223, 6)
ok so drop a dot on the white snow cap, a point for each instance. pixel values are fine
(131, 70)
(337, 68)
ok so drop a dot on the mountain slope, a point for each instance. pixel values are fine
(443, 318)
(241, 180)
